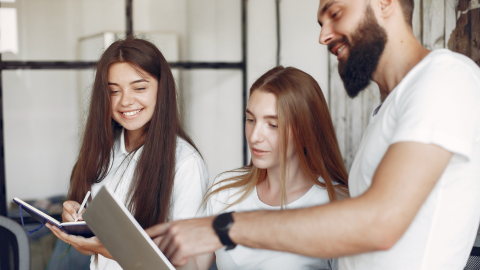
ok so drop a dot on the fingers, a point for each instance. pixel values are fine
(157, 240)
(187, 238)
(79, 216)
(158, 230)
(178, 259)
(86, 246)
(172, 250)
(53, 231)
(167, 246)
(179, 249)
(73, 240)
(69, 239)
(70, 209)
(169, 243)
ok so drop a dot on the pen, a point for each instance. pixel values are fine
(82, 206)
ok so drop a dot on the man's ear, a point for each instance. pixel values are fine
(386, 8)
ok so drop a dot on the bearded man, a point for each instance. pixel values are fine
(416, 177)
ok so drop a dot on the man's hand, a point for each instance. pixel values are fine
(182, 239)
(373, 221)
(402, 182)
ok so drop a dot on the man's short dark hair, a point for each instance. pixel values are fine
(407, 6)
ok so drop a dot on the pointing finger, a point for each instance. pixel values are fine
(158, 230)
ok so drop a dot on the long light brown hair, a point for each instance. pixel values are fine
(151, 188)
(302, 109)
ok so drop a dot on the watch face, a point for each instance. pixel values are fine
(222, 221)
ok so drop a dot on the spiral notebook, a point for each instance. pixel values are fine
(76, 228)
(121, 234)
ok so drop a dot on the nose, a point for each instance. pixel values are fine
(326, 34)
(127, 99)
(257, 134)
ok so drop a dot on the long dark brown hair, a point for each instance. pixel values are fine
(152, 184)
(302, 109)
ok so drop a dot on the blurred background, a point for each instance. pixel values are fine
(217, 49)
(44, 108)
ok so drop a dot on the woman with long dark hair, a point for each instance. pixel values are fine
(296, 162)
(134, 143)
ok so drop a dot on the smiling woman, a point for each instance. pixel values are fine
(133, 96)
(135, 144)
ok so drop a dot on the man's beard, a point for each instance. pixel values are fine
(368, 43)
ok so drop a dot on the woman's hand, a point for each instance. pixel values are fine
(86, 246)
(70, 209)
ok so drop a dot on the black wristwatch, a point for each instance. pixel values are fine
(222, 224)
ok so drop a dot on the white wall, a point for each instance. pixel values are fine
(300, 33)
(213, 98)
(40, 107)
(41, 111)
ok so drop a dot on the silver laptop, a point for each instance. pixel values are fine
(121, 234)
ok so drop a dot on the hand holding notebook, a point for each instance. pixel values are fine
(86, 246)
(72, 211)
(75, 228)
(125, 239)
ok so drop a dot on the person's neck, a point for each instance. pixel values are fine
(133, 139)
(296, 184)
(402, 53)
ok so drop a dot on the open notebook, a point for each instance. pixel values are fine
(75, 228)
(121, 234)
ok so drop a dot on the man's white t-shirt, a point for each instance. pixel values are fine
(242, 257)
(189, 187)
(438, 102)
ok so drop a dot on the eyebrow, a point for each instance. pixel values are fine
(325, 8)
(134, 82)
(265, 117)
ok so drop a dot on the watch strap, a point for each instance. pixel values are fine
(226, 241)
(222, 230)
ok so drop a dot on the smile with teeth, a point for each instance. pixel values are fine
(340, 49)
(131, 113)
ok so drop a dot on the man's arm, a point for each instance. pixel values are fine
(373, 221)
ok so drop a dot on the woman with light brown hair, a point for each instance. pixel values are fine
(295, 163)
